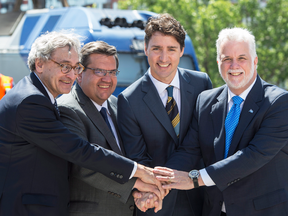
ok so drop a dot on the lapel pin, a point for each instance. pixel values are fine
(250, 111)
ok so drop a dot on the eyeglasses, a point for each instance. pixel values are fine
(66, 68)
(101, 72)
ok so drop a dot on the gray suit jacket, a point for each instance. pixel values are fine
(148, 135)
(253, 179)
(92, 193)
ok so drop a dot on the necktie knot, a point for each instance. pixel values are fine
(170, 91)
(237, 100)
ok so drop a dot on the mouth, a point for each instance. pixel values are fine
(163, 65)
(235, 72)
(104, 86)
(66, 82)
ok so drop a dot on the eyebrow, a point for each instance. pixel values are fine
(162, 46)
(67, 62)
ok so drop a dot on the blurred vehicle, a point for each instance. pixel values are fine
(122, 28)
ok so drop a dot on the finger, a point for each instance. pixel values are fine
(163, 168)
(136, 194)
(162, 192)
(165, 178)
(158, 205)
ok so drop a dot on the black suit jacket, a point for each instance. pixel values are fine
(253, 179)
(92, 193)
(34, 149)
(148, 135)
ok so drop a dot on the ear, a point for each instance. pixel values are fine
(145, 48)
(39, 65)
(182, 51)
(255, 63)
(79, 78)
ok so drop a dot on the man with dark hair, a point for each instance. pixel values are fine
(89, 111)
(35, 146)
(155, 112)
(240, 130)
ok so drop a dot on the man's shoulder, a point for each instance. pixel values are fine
(135, 88)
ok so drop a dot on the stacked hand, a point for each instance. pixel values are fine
(150, 192)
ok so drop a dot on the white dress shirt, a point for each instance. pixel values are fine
(161, 89)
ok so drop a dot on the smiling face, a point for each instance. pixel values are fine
(236, 66)
(99, 89)
(50, 73)
(163, 52)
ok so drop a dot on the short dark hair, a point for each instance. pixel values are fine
(167, 25)
(98, 47)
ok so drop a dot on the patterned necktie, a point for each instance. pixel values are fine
(172, 110)
(231, 122)
(103, 112)
(56, 107)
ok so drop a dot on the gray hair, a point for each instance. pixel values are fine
(236, 34)
(44, 46)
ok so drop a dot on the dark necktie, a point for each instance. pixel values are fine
(172, 110)
(56, 107)
(103, 112)
(231, 122)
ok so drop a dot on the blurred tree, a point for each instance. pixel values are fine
(37, 4)
(17, 5)
(203, 20)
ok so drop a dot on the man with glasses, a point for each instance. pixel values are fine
(89, 111)
(35, 146)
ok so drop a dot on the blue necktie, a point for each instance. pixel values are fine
(103, 112)
(56, 107)
(231, 122)
(172, 110)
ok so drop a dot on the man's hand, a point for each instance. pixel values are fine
(144, 201)
(144, 187)
(178, 180)
(146, 175)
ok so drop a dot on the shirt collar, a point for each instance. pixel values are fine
(243, 95)
(48, 92)
(105, 104)
(160, 86)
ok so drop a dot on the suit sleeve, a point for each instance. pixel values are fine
(38, 125)
(133, 140)
(270, 139)
(74, 123)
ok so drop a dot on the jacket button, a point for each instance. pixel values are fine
(121, 176)
(112, 174)
(118, 176)
(131, 207)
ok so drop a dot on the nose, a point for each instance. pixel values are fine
(72, 75)
(106, 78)
(234, 64)
(163, 56)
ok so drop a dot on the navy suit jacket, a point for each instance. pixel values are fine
(253, 179)
(35, 148)
(148, 135)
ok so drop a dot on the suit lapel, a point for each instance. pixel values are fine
(249, 110)
(187, 102)
(218, 115)
(113, 111)
(96, 118)
(36, 82)
(154, 103)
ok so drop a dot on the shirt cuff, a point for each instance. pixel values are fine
(206, 178)
(134, 170)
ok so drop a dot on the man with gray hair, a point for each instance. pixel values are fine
(241, 132)
(35, 146)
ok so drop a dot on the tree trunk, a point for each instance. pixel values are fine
(64, 3)
(38, 4)
(17, 5)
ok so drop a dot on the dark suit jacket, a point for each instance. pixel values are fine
(34, 149)
(253, 180)
(92, 193)
(148, 135)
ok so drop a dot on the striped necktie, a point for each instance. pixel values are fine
(172, 110)
(231, 122)
(56, 107)
(103, 112)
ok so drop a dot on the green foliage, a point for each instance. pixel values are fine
(203, 20)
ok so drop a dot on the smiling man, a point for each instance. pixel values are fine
(35, 146)
(90, 111)
(153, 122)
(241, 132)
